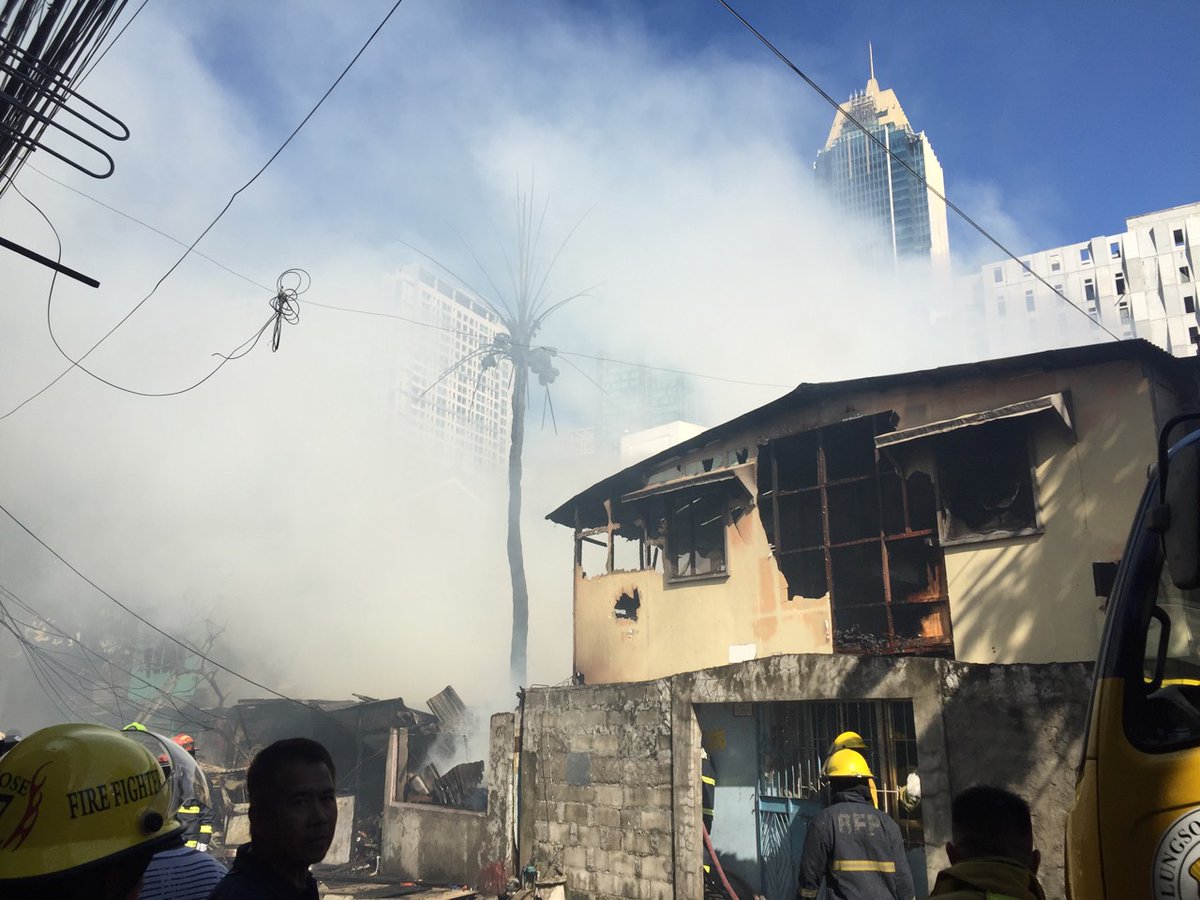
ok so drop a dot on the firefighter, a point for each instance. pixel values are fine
(708, 799)
(194, 813)
(82, 810)
(851, 740)
(855, 849)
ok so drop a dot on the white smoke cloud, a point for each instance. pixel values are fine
(276, 497)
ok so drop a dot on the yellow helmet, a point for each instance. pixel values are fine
(847, 764)
(74, 795)
(847, 740)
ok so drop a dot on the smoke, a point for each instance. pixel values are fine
(279, 498)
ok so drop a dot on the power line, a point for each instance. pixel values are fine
(144, 620)
(385, 315)
(75, 363)
(55, 630)
(148, 226)
(920, 178)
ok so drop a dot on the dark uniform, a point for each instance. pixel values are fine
(197, 820)
(708, 799)
(857, 850)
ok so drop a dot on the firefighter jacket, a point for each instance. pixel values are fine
(197, 820)
(856, 850)
(990, 878)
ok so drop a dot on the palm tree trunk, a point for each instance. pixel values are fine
(516, 559)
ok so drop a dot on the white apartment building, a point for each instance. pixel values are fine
(464, 418)
(1138, 283)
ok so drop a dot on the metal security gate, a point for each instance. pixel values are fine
(793, 739)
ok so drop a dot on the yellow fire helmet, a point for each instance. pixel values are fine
(847, 764)
(75, 795)
(847, 740)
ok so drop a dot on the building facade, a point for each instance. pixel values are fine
(958, 512)
(1139, 283)
(441, 391)
(895, 216)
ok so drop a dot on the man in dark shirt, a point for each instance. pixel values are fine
(293, 813)
(854, 848)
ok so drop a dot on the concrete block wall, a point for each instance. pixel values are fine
(609, 791)
(421, 841)
(596, 800)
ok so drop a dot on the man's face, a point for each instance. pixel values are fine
(295, 824)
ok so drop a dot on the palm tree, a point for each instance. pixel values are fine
(528, 306)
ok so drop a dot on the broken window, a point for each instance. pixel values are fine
(627, 605)
(696, 535)
(985, 479)
(848, 525)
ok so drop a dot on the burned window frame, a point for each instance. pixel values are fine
(716, 493)
(954, 529)
(901, 541)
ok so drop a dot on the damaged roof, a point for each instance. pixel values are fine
(588, 505)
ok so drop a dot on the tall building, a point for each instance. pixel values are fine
(1138, 283)
(456, 404)
(639, 397)
(895, 215)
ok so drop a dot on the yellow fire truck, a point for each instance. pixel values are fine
(1134, 828)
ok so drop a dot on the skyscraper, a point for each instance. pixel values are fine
(440, 390)
(895, 216)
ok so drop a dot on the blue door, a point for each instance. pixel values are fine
(782, 824)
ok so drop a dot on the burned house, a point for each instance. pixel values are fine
(955, 512)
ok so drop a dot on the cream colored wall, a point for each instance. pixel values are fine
(1028, 599)
(692, 625)
(1032, 599)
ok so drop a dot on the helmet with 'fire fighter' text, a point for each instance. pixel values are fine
(73, 796)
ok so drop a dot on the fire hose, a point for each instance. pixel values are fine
(717, 864)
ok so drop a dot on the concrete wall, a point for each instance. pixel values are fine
(1032, 599)
(690, 625)
(610, 773)
(596, 789)
(435, 843)
(1017, 599)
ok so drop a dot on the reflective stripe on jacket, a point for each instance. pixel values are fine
(856, 850)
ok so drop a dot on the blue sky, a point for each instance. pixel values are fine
(1081, 114)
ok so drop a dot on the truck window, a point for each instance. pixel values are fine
(1165, 707)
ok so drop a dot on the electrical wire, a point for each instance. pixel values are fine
(147, 622)
(104, 52)
(147, 226)
(55, 630)
(385, 315)
(283, 307)
(201, 236)
(913, 172)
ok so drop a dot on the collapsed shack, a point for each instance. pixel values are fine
(356, 733)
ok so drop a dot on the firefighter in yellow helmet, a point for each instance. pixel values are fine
(850, 846)
(851, 740)
(82, 810)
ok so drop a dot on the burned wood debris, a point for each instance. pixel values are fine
(356, 733)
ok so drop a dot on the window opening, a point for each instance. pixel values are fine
(1177, 235)
(1055, 264)
(1089, 290)
(696, 536)
(845, 524)
(1085, 255)
(1119, 281)
(985, 481)
(1189, 303)
(1030, 305)
(1185, 274)
(1114, 249)
(997, 275)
